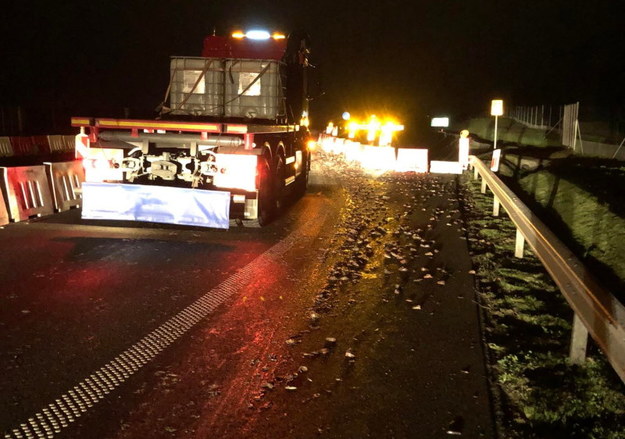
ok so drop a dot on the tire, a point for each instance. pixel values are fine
(278, 179)
(266, 196)
(301, 183)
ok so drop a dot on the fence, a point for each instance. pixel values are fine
(586, 130)
(537, 116)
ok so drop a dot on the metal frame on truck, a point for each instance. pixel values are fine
(237, 123)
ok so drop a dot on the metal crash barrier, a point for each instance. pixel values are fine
(597, 311)
(65, 181)
(27, 192)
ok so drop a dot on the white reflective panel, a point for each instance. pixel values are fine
(412, 160)
(440, 122)
(442, 167)
(463, 151)
(496, 107)
(159, 204)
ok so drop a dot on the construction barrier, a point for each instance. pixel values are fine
(353, 151)
(378, 158)
(6, 150)
(4, 214)
(65, 180)
(60, 144)
(412, 160)
(23, 146)
(40, 144)
(442, 167)
(27, 192)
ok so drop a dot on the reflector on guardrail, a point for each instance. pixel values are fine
(65, 181)
(6, 150)
(27, 192)
(412, 160)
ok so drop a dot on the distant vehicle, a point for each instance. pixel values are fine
(231, 137)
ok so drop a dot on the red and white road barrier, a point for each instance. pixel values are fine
(30, 191)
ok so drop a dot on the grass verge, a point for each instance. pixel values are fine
(539, 394)
(581, 198)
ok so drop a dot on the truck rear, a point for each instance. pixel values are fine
(228, 145)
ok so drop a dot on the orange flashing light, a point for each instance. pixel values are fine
(238, 34)
(278, 36)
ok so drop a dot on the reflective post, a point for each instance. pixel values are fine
(496, 205)
(520, 244)
(579, 341)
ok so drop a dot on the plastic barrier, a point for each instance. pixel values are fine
(441, 167)
(65, 181)
(27, 192)
(4, 214)
(41, 145)
(412, 160)
(378, 158)
(6, 150)
(59, 144)
(23, 146)
(353, 151)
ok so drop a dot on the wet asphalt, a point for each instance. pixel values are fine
(363, 324)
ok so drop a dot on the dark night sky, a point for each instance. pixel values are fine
(410, 58)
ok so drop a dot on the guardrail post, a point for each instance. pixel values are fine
(483, 188)
(475, 173)
(496, 205)
(579, 341)
(520, 244)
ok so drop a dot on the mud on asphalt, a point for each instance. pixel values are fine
(373, 331)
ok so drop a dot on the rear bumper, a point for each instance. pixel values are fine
(164, 204)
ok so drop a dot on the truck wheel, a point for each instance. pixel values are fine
(301, 183)
(279, 181)
(266, 199)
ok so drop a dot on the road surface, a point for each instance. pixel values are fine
(353, 315)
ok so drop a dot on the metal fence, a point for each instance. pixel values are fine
(537, 116)
(587, 130)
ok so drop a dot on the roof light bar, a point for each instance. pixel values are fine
(258, 35)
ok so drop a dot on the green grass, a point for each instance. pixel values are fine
(527, 327)
(509, 131)
(581, 201)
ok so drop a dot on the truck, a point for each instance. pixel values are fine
(229, 143)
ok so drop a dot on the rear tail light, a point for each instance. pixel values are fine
(237, 171)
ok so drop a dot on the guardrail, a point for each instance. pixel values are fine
(596, 310)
